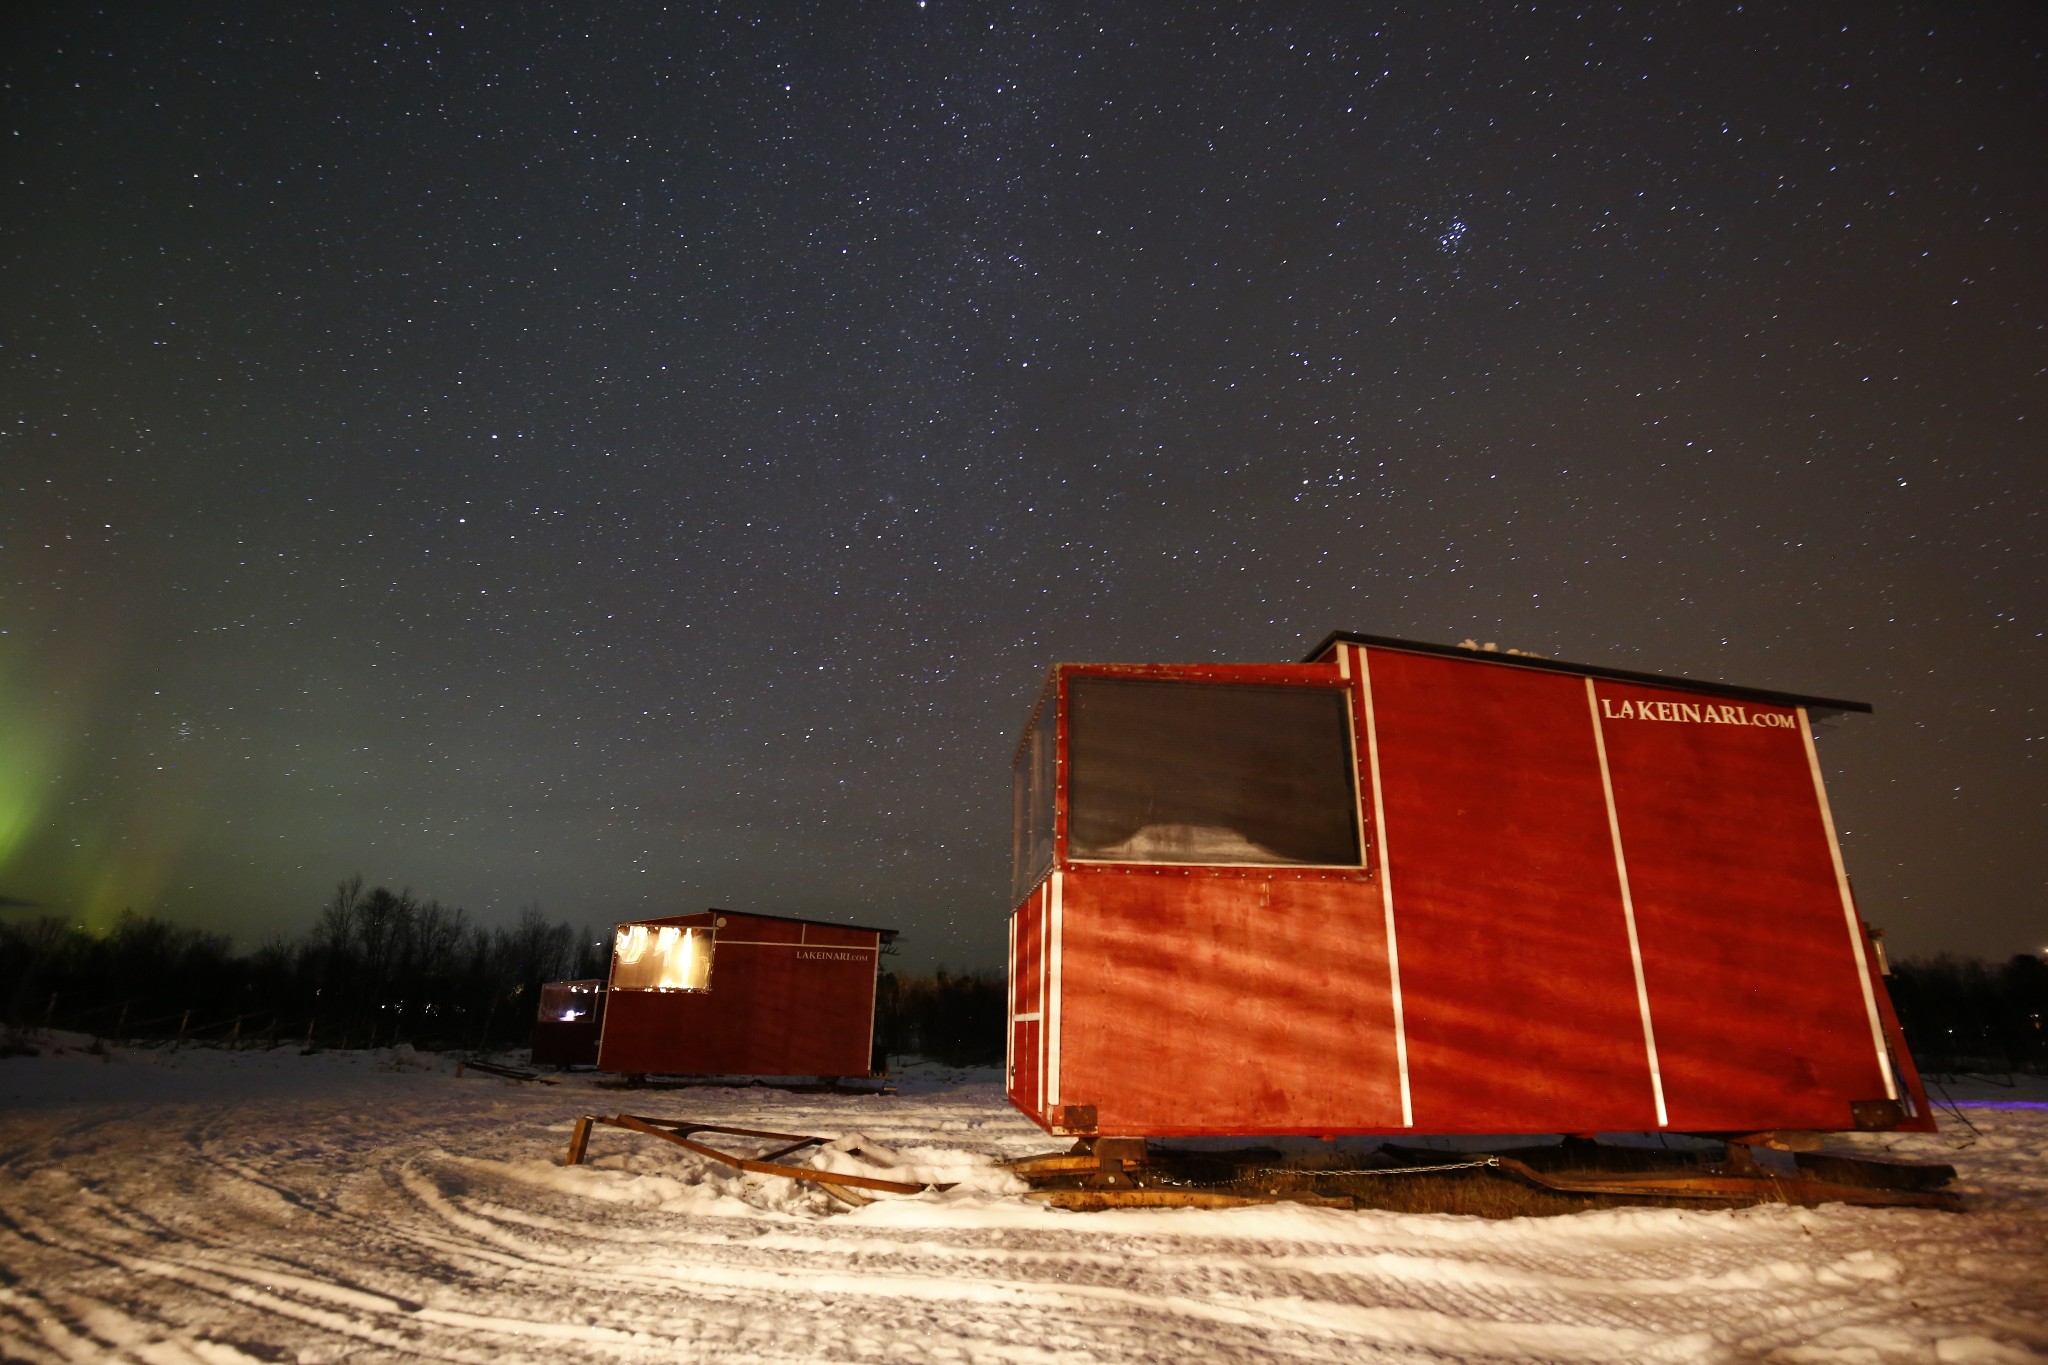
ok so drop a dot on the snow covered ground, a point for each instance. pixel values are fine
(212, 1206)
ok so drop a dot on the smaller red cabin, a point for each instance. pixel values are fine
(725, 994)
(566, 1026)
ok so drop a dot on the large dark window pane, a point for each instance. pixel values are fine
(1032, 778)
(1185, 772)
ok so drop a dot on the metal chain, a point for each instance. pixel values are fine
(1263, 1171)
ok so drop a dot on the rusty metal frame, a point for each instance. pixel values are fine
(678, 1131)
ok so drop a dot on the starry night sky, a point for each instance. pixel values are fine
(629, 461)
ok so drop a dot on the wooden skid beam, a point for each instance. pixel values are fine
(579, 1139)
(1722, 1187)
(510, 1073)
(727, 1083)
(1086, 1180)
(675, 1131)
(1055, 1163)
(685, 1126)
(1095, 1200)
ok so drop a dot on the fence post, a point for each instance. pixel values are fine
(235, 1033)
(184, 1020)
(50, 1010)
(121, 1024)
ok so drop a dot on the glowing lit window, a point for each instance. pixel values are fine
(661, 957)
(564, 1002)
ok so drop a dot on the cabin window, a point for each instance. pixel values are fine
(1218, 773)
(564, 1002)
(1034, 775)
(661, 957)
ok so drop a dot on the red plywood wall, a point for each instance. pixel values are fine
(1226, 1003)
(1519, 989)
(1750, 962)
(1587, 905)
(1026, 1059)
(786, 999)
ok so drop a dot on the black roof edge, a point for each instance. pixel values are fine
(887, 934)
(1763, 694)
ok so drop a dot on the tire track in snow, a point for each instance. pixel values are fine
(432, 1222)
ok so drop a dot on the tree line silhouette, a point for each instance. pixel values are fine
(380, 967)
(958, 1020)
(1961, 1014)
(377, 967)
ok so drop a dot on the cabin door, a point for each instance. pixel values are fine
(1026, 1059)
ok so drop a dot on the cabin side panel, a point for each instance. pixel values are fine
(1752, 969)
(1225, 1002)
(1025, 1055)
(775, 1008)
(1521, 1005)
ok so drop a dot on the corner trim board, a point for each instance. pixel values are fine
(1386, 870)
(1628, 908)
(1856, 949)
(1055, 931)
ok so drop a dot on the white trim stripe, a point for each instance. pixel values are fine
(611, 969)
(1379, 824)
(1827, 820)
(874, 1004)
(1351, 733)
(1628, 909)
(1044, 917)
(1010, 1033)
(1055, 927)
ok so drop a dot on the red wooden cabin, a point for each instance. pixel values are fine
(1410, 888)
(567, 1022)
(726, 994)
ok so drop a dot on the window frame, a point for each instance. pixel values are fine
(1330, 677)
(1048, 703)
(708, 932)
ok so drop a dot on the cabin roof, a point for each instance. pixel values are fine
(888, 935)
(1823, 705)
